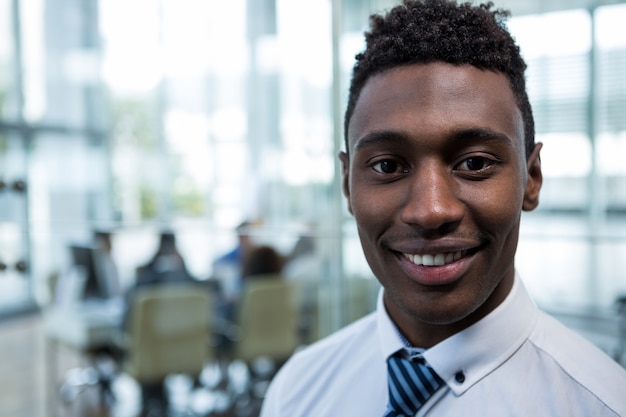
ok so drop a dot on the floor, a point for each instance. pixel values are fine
(32, 370)
(25, 379)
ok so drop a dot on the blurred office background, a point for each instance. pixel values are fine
(191, 115)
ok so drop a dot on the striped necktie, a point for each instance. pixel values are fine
(411, 383)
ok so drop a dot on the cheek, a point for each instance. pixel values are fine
(370, 209)
(497, 212)
(373, 216)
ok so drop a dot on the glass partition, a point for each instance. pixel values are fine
(15, 287)
(571, 247)
(196, 116)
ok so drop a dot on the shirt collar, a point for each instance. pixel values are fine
(477, 350)
(389, 336)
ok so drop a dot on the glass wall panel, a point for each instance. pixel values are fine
(611, 105)
(198, 115)
(69, 177)
(9, 100)
(570, 247)
(60, 62)
(559, 86)
(15, 287)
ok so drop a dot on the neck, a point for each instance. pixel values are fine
(425, 333)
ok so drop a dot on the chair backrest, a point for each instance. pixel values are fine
(268, 320)
(168, 331)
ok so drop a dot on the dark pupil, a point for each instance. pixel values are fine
(475, 164)
(388, 167)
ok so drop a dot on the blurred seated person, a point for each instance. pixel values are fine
(91, 274)
(166, 267)
(89, 285)
(303, 263)
(227, 278)
(262, 262)
(228, 268)
(167, 264)
(303, 267)
(104, 259)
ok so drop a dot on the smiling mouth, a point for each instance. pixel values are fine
(437, 259)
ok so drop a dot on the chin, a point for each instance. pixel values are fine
(442, 313)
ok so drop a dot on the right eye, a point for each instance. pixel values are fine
(388, 166)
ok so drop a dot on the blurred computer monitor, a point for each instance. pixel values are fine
(84, 257)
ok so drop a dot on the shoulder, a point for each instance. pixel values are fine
(346, 341)
(583, 363)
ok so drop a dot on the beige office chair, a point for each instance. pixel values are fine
(168, 332)
(267, 319)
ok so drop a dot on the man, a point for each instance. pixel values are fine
(228, 268)
(440, 162)
(103, 259)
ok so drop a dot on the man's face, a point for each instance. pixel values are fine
(436, 180)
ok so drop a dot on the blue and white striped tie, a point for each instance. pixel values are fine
(411, 383)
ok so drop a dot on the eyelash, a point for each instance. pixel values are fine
(400, 168)
(398, 165)
(486, 163)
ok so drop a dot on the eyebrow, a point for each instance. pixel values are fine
(381, 136)
(479, 134)
(482, 134)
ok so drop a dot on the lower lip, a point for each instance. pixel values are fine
(436, 275)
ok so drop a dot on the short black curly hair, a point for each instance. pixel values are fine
(426, 31)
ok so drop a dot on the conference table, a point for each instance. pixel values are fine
(87, 325)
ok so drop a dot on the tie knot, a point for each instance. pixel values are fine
(411, 384)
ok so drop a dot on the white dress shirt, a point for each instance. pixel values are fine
(517, 361)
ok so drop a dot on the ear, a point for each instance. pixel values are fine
(534, 181)
(345, 169)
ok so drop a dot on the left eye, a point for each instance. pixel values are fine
(474, 164)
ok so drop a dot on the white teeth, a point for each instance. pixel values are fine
(438, 259)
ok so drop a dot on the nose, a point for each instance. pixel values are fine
(432, 202)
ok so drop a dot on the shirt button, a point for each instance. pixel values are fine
(459, 377)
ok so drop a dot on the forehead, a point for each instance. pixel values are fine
(434, 100)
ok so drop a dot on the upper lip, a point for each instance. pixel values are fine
(423, 247)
